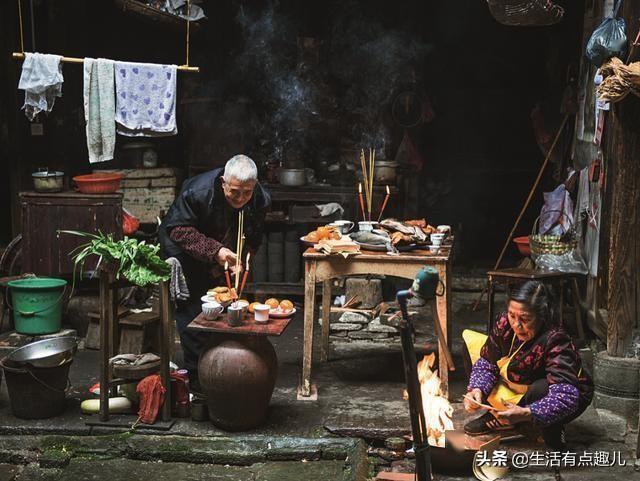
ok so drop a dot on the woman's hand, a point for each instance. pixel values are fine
(469, 405)
(514, 414)
(225, 255)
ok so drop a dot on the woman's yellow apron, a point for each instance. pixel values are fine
(504, 390)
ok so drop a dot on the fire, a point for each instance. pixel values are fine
(437, 409)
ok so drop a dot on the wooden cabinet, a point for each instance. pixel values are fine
(47, 253)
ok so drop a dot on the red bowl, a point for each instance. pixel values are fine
(99, 183)
(522, 243)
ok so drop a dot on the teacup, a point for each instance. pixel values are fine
(211, 310)
(436, 239)
(343, 226)
(261, 312)
(367, 225)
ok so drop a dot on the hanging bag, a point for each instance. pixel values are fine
(608, 39)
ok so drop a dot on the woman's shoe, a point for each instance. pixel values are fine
(485, 424)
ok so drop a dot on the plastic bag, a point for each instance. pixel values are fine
(570, 262)
(608, 40)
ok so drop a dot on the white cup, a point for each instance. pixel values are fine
(444, 229)
(436, 239)
(343, 226)
(261, 312)
(367, 225)
(211, 310)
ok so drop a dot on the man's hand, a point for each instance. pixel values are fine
(469, 405)
(514, 414)
(225, 255)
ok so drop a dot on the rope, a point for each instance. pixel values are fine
(21, 32)
(188, 24)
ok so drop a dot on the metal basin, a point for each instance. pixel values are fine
(45, 353)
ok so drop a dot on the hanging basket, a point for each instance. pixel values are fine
(525, 12)
(153, 15)
(551, 244)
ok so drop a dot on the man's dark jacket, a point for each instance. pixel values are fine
(201, 204)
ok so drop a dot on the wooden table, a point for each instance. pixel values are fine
(322, 268)
(249, 327)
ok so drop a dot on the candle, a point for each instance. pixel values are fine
(384, 203)
(226, 274)
(361, 201)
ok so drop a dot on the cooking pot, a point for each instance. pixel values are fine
(385, 172)
(292, 177)
(45, 353)
(48, 181)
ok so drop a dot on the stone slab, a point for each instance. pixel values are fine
(367, 335)
(377, 326)
(345, 326)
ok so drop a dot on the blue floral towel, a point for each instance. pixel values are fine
(145, 99)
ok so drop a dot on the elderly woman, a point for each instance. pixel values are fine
(200, 231)
(528, 370)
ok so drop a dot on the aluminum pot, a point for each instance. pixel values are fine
(385, 172)
(48, 181)
(46, 353)
(292, 177)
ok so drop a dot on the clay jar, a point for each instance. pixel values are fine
(237, 375)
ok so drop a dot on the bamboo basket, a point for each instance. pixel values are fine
(153, 15)
(551, 244)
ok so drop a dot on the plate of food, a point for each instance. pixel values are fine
(221, 294)
(321, 233)
(280, 309)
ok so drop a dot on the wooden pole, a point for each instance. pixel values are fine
(526, 202)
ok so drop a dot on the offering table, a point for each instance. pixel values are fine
(320, 267)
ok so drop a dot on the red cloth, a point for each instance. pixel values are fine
(151, 393)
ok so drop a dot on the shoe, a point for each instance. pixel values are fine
(485, 424)
(554, 438)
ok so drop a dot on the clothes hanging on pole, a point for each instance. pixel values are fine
(99, 108)
(145, 99)
(41, 79)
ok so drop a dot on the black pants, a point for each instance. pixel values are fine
(552, 434)
(192, 342)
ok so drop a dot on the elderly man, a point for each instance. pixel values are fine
(200, 230)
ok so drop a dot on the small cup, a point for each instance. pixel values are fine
(211, 310)
(367, 225)
(234, 315)
(343, 226)
(244, 305)
(261, 313)
(436, 239)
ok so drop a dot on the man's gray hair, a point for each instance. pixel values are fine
(241, 168)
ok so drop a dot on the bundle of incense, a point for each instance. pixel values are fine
(364, 216)
(367, 177)
(239, 245)
(384, 204)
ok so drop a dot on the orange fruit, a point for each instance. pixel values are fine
(286, 305)
(252, 307)
(273, 303)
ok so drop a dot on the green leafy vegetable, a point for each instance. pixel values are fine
(137, 261)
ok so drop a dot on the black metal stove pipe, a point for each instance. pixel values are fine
(418, 425)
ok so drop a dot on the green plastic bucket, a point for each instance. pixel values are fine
(37, 304)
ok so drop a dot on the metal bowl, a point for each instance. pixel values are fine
(292, 177)
(45, 353)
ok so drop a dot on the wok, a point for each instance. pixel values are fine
(45, 353)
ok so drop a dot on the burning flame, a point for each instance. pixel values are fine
(437, 409)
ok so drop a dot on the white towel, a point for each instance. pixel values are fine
(41, 80)
(99, 108)
(146, 99)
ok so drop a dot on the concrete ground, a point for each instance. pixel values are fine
(348, 433)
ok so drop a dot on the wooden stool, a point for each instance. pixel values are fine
(139, 333)
(519, 275)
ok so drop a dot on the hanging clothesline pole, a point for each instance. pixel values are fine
(184, 68)
(21, 32)
(188, 24)
(21, 54)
